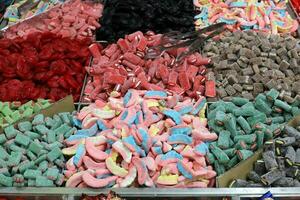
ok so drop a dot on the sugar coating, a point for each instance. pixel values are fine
(31, 155)
(145, 141)
(243, 126)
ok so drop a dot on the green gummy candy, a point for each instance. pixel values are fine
(249, 139)
(268, 135)
(295, 111)
(43, 166)
(55, 144)
(213, 126)
(54, 154)
(6, 181)
(212, 113)
(41, 129)
(16, 148)
(3, 153)
(52, 173)
(65, 117)
(230, 152)
(260, 138)
(230, 124)
(244, 154)
(70, 132)
(38, 119)
(5, 171)
(62, 129)
(220, 118)
(60, 180)
(9, 120)
(244, 124)
(40, 159)
(14, 158)
(246, 110)
(15, 116)
(25, 126)
(220, 169)
(272, 95)
(28, 104)
(6, 110)
(42, 181)
(27, 112)
(31, 173)
(3, 163)
(18, 184)
(281, 104)
(32, 135)
(287, 116)
(2, 138)
(211, 158)
(219, 154)
(22, 140)
(259, 117)
(10, 132)
(241, 145)
(26, 165)
(223, 139)
(239, 101)
(37, 107)
(51, 136)
(31, 182)
(35, 147)
(230, 107)
(31, 155)
(233, 161)
(49, 122)
(277, 120)
(263, 106)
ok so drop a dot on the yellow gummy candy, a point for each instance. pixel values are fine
(114, 168)
(114, 155)
(153, 130)
(168, 179)
(151, 103)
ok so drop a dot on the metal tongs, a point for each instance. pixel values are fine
(192, 40)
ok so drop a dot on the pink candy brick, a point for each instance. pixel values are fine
(123, 65)
(75, 19)
(144, 142)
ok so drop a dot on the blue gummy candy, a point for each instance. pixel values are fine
(185, 173)
(176, 117)
(180, 138)
(170, 155)
(155, 93)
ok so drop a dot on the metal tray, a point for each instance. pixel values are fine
(198, 193)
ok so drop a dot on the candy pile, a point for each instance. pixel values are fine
(75, 19)
(30, 153)
(266, 16)
(122, 66)
(146, 138)
(11, 112)
(244, 126)
(25, 9)
(42, 66)
(248, 63)
(124, 17)
(280, 164)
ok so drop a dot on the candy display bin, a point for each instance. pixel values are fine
(149, 193)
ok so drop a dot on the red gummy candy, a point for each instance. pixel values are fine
(43, 65)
